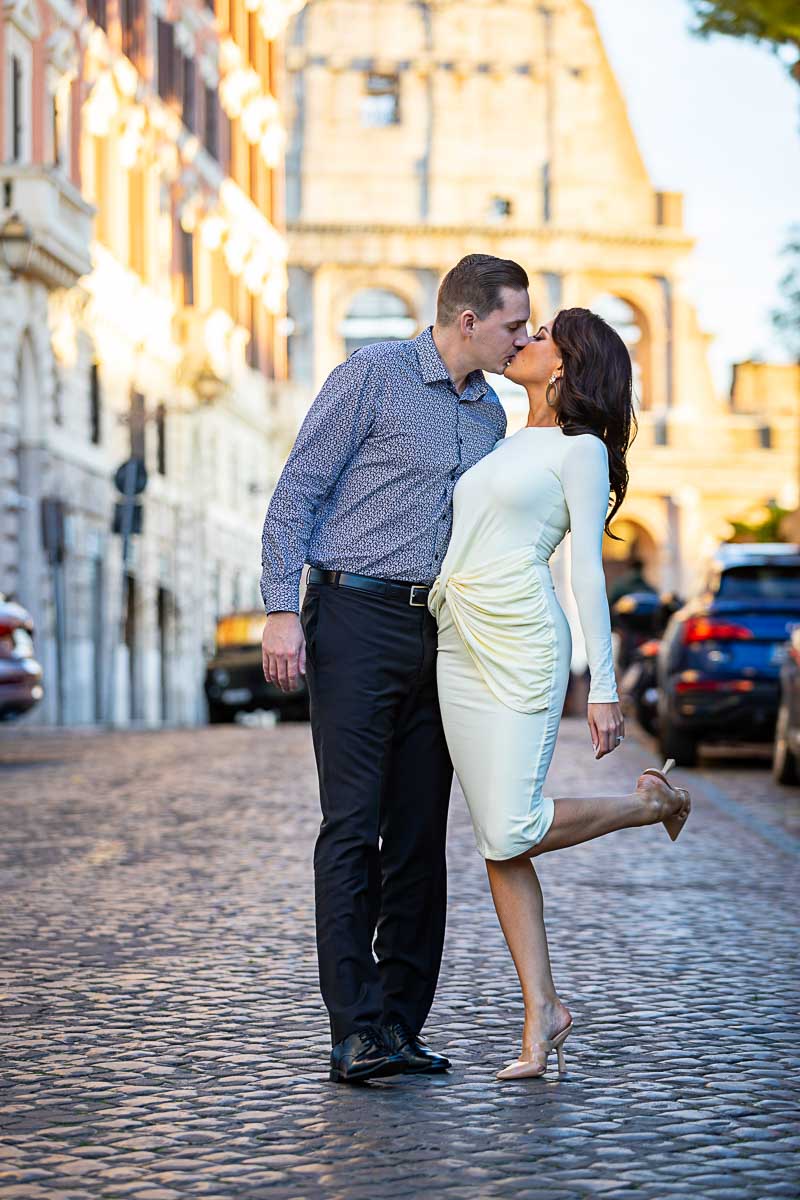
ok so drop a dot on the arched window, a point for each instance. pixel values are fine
(631, 326)
(376, 315)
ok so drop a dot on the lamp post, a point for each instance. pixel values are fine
(16, 244)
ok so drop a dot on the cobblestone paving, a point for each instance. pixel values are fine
(163, 1036)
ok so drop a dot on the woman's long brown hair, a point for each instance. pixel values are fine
(594, 393)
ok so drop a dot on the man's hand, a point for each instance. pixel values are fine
(607, 727)
(283, 650)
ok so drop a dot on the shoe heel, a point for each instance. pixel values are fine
(667, 767)
(562, 1062)
(334, 1076)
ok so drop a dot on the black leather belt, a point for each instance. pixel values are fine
(415, 594)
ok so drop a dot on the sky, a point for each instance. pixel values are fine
(718, 120)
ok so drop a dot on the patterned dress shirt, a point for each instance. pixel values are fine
(368, 486)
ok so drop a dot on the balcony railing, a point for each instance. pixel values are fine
(45, 225)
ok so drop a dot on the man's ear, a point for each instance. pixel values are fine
(467, 322)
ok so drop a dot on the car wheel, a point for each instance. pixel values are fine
(677, 745)
(784, 763)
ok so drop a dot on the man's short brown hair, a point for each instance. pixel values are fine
(475, 284)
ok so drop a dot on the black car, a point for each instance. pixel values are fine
(20, 673)
(786, 748)
(720, 657)
(235, 680)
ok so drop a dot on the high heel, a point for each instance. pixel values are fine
(674, 823)
(525, 1069)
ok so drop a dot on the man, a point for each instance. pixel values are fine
(366, 499)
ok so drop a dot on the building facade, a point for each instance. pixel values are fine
(142, 312)
(422, 130)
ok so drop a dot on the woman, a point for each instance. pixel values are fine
(505, 645)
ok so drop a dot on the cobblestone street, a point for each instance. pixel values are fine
(163, 1037)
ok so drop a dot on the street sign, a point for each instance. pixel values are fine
(131, 477)
(134, 520)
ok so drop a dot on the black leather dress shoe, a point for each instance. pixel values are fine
(364, 1055)
(416, 1055)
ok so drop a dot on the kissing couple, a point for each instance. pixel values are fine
(432, 639)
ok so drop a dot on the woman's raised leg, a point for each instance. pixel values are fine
(581, 818)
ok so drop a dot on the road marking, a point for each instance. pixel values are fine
(773, 834)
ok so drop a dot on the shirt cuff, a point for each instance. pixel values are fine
(283, 595)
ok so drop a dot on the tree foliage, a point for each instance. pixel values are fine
(773, 21)
(787, 318)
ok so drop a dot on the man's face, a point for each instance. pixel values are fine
(496, 339)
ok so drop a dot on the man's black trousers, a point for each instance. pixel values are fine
(384, 777)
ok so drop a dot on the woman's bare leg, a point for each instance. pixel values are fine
(518, 900)
(580, 818)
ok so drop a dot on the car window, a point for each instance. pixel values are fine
(760, 583)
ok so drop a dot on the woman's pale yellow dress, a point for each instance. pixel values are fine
(504, 641)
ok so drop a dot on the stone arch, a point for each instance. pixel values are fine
(333, 289)
(634, 327)
(374, 315)
(640, 541)
(353, 282)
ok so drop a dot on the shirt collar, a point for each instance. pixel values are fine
(434, 370)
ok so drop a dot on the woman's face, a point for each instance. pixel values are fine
(537, 361)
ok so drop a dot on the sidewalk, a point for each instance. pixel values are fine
(164, 1038)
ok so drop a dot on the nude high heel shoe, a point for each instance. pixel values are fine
(525, 1069)
(676, 822)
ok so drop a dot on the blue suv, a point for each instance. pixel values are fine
(721, 654)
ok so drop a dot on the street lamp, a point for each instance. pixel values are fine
(16, 244)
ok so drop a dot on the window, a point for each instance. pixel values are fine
(188, 93)
(131, 14)
(765, 437)
(95, 430)
(211, 123)
(253, 347)
(59, 96)
(165, 38)
(380, 104)
(500, 208)
(136, 420)
(18, 120)
(773, 582)
(161, 439)
(187, 265)
(54, 130)
(96, 11)
(547, 194)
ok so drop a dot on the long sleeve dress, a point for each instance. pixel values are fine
(504, 641)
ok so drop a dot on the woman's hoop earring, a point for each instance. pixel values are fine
(551, 394)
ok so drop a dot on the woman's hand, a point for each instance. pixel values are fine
(607, 727)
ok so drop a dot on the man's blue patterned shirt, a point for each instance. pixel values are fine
(368, 486)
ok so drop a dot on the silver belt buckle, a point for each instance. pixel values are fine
(416, 587)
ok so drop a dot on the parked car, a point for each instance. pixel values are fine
(786, 747)
(720, 657)
(235, 680)
(20, 674)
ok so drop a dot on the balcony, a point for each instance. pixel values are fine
(45, 225)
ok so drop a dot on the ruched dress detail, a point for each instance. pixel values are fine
(504, 641)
